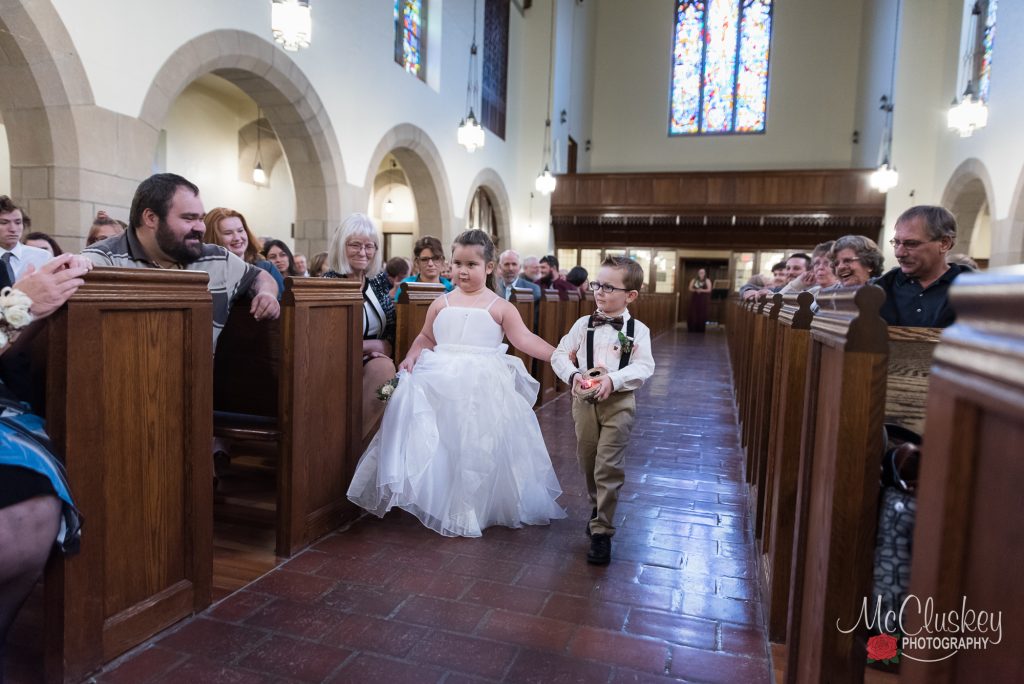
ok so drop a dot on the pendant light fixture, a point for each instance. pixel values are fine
(969, 113)
(259, 176)
(545, 183)
(291, 23)
(885, 176)
(471, 133)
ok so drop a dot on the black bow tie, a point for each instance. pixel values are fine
(599, 319)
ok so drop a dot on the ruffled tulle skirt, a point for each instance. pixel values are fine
(460, 447)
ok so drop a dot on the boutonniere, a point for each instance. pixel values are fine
(626, 343)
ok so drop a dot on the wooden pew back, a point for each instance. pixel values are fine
(968, 534)
(838, 486)
(522, 299)
(129, 388)
(411, 314)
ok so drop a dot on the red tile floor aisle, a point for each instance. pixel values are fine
(390, 601)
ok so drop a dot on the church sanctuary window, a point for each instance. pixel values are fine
(720, 66)
(983, 46)
(411, 36)
(494, 81)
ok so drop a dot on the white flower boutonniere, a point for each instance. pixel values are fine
(15, 314)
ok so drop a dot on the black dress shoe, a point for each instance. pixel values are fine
(600, 549)
(593, 514)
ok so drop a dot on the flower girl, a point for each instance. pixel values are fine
(460, 447)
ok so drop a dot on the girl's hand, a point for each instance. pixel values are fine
(408, 362)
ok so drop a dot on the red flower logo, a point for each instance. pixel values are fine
(883, 647)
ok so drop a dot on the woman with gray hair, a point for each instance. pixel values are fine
(856, 260)
(354, 253)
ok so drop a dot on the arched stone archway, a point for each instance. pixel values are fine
(46, 100)
(421, 161)
(968, 195)
(1008, 235)
(489, 180)
(289, 103)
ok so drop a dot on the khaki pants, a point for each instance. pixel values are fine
(602, 433)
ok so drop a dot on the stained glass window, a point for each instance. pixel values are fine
(720, 66)
(987, 22)
(411, 36)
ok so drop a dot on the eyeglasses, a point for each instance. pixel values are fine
(368, 248)
(605, 287)
(848, 262)
(430, 260)
(909, 245)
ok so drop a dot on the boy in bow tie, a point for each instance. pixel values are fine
(613, 340)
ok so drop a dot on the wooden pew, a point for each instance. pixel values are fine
(298, 382)
(910, 359)
(128, 387)
(754, 365)
(968, 533)
(549, 326)
(837, 490)
(522, 299)
(411, 314)
(792, 346)
(760, 424)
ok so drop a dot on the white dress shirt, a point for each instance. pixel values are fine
(607, 352)
(23, 255)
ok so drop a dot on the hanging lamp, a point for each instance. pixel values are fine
(291, 23)
(885, 177)
(471, 133)
(259, 176)
(545, 182)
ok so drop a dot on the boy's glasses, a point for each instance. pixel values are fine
(607, 288)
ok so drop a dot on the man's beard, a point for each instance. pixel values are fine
(181, 252)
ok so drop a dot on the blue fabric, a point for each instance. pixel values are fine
(274, 273)
(24, 443)
(448, 286)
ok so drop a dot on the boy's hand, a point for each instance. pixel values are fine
(577, 385)
(605, 389)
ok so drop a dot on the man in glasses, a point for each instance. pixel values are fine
(917, 291)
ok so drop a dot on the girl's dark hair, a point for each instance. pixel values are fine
(57, 251)
(476, 238)
(270, 244)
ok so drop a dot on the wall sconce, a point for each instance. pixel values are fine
(586, 145)
(563, 117)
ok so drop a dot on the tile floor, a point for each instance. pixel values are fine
(390, 601)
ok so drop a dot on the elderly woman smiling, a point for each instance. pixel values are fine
(354, 252)
(856, 260)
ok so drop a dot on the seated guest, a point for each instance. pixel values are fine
(15, 258)
(354, 252)
(796, 265)
(819, 277)
(37, 512)
(166, 231)
(428, 260)
(577, 276)
(917, 291)
(778, 274)
(856, 260)
(43, 241)
(227, 228)
(102, 228)
(318, 265)
(550, 279)
(280, 256)
(509, 276)
(397, 269)
(300, 265)
(531, 268)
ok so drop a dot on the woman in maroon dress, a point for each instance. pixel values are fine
(701, 289)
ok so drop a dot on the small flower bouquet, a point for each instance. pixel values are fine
(385, 391)
(14, 314)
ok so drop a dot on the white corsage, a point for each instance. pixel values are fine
(15, 314)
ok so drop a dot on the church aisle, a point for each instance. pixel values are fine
(390, 601)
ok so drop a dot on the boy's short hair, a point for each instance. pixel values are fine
(632, 272)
